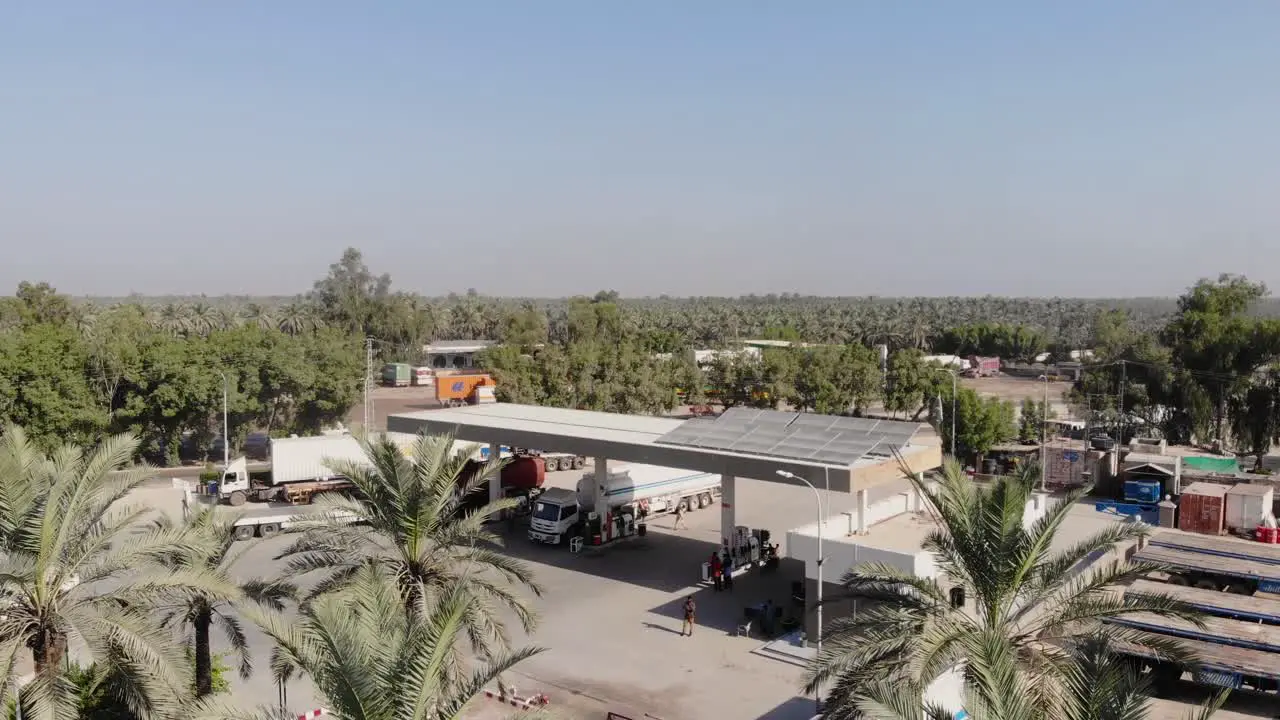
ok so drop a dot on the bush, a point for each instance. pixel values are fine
(100, 696)
(221, 671)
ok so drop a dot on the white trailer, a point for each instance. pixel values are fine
(300, 468)
(647, 489)
(270, 522)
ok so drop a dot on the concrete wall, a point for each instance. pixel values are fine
(845, 550)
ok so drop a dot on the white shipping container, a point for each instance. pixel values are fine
(299, 459)
(1246, 506)
(305, 458)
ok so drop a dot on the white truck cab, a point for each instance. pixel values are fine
(555, 514)
(631, 493)
(235, 479)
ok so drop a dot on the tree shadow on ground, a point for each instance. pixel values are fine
(725, 610)
(659, 561)
(797, 708)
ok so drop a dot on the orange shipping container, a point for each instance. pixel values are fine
(1203, 508)
(452, 388)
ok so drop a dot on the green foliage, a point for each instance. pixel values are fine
(1015, 342)
(67, 380)
(914, 384)
(981, 422)
(596, 365)
(219, 671)
(1202, 376)
(101, 694)
(1024, 600)
(371, 660)
(1031, 419)
(43, 385)
(76, 564)
(419, 536)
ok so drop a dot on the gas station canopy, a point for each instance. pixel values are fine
(742, 442)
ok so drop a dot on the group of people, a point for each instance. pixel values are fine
(722, 569)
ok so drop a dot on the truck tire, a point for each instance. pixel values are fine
(242, 532)
(552, 464)
(1178, 580)
(266, 530)
(579, 462)
(704, 500)
(237, 498)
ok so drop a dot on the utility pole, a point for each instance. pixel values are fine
(1044, 437)
(1120, 423)
(368, 373)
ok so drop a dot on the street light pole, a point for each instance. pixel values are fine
(953, 414)
(368, 372)
(226, 435)
(1044, 436)
(817, 496)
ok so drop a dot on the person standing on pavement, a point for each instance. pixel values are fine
(716, 569)
(679, 516)
(690, 612)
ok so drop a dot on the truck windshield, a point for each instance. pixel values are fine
(547, 511)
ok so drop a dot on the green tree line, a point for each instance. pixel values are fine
(1209, 373)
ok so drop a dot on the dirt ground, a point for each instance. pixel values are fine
(392, 401)
(1016, 389)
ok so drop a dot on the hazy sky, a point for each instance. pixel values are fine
(851, 147)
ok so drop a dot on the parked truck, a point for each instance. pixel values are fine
(522, 479)
(553, 461)
(983, 367)
(301, 469)
(642, 490)
(397, 374)
(465, 389)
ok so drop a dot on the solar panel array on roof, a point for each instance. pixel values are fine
(827, 439)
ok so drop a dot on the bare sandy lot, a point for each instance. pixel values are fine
(392, 401)
(1015, 390)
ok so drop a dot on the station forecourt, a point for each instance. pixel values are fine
(835, 454)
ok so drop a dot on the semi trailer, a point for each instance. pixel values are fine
(270, 522)
(553, 461)
(637, 490)
(301, 469)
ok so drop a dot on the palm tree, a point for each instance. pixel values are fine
(1028, 601)
(213, 549)
(372, 661)
(417, 532)
(76, 566)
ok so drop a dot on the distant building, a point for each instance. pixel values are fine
(454, 354)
